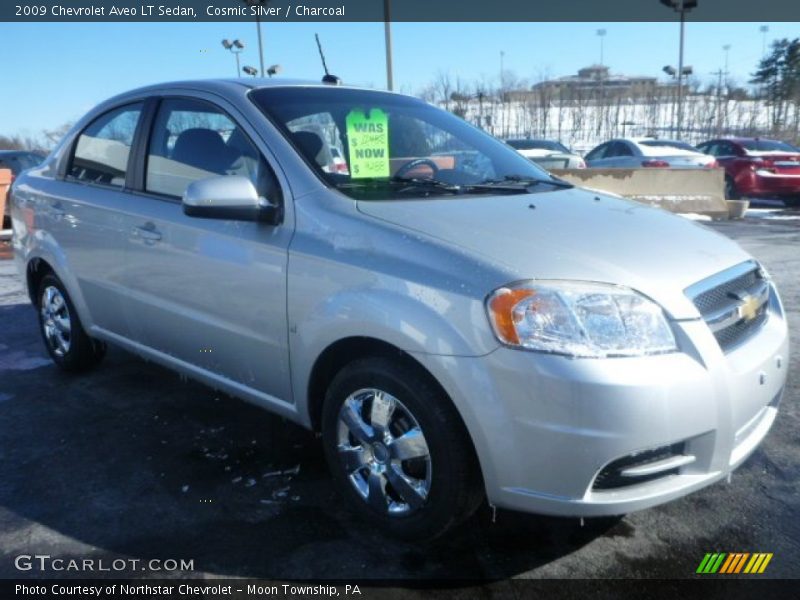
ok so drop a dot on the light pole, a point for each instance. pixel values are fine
(677, 77)
(387, 34)
(236, 47)
(682, 7)
(763, 29)
(501, 94)
(601, 33)
(726, 48)
(258, 3)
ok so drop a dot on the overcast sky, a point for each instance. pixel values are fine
(54, 72)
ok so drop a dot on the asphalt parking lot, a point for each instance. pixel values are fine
(131, 461)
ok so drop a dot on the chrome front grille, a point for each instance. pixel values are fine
(733, 303)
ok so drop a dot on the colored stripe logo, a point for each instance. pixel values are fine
(733, 563)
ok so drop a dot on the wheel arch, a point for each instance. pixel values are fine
(35, 271)
(339, 354)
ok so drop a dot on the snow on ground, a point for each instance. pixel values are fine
(695, 216)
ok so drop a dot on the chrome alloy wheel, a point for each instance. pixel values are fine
(384, 452)
(56, 321)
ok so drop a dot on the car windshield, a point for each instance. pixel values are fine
(767, 146)
(395, 146)
(537, 145)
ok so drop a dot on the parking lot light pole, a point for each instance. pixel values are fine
(601, 33)
(682, 7)
(236, 47)
(387, 32)
(258, 31)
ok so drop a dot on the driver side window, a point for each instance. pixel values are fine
(191, 140)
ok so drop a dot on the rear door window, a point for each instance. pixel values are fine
(102, 151)
(620, 149)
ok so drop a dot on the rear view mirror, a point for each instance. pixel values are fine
(231, 197)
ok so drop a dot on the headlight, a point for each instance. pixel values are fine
(579, 319)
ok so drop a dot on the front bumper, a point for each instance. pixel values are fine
(545, 426)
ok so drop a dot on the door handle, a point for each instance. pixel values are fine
(147, 233)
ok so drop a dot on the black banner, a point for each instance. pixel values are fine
(517, 589)
(399, 10)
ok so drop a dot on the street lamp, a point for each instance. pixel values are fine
(252, 71)
(677, 76)
(274, 70)
(236, 47)
(601, 33)
(726, 48)
(682, 7)
(763, 29)
(387, 34)
(258, 3)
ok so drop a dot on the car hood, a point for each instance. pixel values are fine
(574, 234)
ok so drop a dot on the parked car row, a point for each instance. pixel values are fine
(754, 167)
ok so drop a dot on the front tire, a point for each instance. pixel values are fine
(64, 337)
(398, 450)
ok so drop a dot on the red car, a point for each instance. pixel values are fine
(758, 168)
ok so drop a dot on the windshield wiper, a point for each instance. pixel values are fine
(520, 182)
(420, 182)
(403, 183)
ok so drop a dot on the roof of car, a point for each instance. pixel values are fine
(237, 86)
(741, 139)
(217, 85)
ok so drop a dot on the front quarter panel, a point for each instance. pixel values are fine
(354, 276)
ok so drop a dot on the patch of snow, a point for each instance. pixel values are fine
(695, 216)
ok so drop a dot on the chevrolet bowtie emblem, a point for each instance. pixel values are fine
(748, 309)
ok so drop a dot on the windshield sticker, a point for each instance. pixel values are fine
(368, 140)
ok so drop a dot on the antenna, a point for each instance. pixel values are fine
(321, 54)
(327, 78)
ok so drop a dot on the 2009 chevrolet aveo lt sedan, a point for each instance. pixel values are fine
(457, 323)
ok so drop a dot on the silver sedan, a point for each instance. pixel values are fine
(636, 153)
(456, 323)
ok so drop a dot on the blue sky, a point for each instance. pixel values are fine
(57, 71)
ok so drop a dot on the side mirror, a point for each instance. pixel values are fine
(232, 197)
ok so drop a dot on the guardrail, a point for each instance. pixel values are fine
(5, 183)
(676, 190)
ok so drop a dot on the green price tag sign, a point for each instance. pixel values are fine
(368, 139)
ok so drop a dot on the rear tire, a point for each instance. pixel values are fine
(792, 202)
(398, 450)
(64, 337)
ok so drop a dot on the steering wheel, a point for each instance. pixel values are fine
(417, 162)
